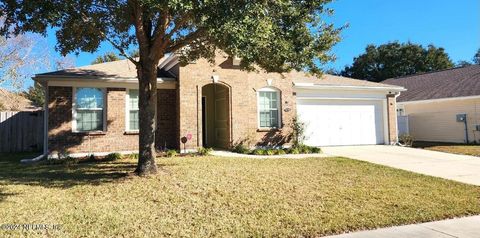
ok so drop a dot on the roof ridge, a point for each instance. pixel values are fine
(108, 62)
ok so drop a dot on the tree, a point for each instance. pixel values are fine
(277, 36)
(476, 57)
(36, 93)
(18, 59)
(463, 63)
(396, 59)
(107, 57)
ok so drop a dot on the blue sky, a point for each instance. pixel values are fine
(454, 25)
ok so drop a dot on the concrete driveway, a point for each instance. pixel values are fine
(461, 168)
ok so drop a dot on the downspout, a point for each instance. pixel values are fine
(45, 129)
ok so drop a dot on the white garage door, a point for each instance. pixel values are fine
(342, 122)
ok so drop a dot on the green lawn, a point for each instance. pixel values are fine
(209, 196)
(463, 149)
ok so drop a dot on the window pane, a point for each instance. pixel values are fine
(133, 99)
(89, 98)
(264, 101)
(268, 107)
(273, 118)
(133, 123)
(89, 120)
(265, 119)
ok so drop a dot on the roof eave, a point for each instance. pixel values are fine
(348, 87)
(45, 78)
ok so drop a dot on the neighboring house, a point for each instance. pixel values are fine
(95, 108)
(10, 101)
(435, 103)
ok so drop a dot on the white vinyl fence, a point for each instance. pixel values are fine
(402, 122)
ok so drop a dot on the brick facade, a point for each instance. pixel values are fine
(166, 136)
(179, 111)
(114, 138)
(392, 118)
(243, 88)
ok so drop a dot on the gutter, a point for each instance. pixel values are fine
(341, 87)
(44, 78)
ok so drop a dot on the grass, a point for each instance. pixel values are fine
(211, 196)
(463, 149)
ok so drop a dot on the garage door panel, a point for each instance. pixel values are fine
(334, 122)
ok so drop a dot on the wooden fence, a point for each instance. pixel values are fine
(21, 131)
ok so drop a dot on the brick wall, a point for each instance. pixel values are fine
(166, 136)
(61, 137)
(243, 104)
(392, 118)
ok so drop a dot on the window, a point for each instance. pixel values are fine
(89, 109)
(132, 110)
(268, 108)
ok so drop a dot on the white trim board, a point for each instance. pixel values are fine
(108, 84)
(440, 99)
(347, 87)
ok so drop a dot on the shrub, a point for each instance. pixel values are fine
(241, 149)
(204, 151)
(113, 157)
(171, 153)
(270, 152)
(305, 149)
(298, 132)
(67, 161)
(315, 150)
(406, 139)
(294, 151)
(132, 156)
(259, 152)
(280, 152)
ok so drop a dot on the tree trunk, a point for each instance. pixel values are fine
(147, 78)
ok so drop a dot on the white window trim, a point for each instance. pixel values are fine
(279, 105)
(74, 111)
(127, 111)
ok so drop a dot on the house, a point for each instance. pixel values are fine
(10, 101)
(442, 106)
(94, 109)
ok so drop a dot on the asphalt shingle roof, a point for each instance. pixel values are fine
(115, 69)
(456, 82)
(126, 69)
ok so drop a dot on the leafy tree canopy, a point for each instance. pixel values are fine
(476, 57)
(107, 57)
(276, 35)
(463, 63)
(397, 59)
(35, 94)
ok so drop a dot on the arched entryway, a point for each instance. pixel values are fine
(216, 116)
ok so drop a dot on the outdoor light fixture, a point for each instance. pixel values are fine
(215, 78)
(269, 82)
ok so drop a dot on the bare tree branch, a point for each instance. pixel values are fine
(184, 41)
